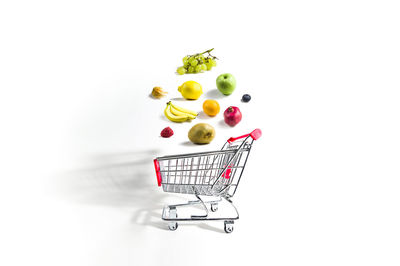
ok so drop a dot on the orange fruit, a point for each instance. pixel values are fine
(211, 107)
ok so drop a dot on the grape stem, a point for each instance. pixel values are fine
(208, 52)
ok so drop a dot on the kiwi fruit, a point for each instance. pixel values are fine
(201, 133)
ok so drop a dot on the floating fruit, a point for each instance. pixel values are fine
(197, 63)
(167, 132)
(246, 98)
(211, 107)
(232, 115)
(184, 110)
(178, 114)
(181, 70)
(201, 133)
(158, 92)
(226, 83)
(191, 90)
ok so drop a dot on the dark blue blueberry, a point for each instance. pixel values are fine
(246, 98)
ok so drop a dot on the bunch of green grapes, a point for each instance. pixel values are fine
(197, 63)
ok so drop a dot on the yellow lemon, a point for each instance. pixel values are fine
(190, 90)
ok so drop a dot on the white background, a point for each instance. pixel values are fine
(79, 132)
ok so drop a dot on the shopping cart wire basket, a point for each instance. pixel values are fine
(213, 173)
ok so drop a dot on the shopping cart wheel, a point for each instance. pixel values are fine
(228, 226)
(173, 226)
(172, 214)
(214, 207)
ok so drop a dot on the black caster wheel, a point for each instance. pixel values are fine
(228, 226)
(173, 226)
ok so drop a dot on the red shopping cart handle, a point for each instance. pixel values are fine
(255, 134)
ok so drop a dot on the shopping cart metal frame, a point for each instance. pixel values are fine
(218, 174)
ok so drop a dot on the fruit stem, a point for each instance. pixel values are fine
(208, 51)
(230, 109)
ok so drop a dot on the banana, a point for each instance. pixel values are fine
(179, 113)
(183, 110)
(172, 117)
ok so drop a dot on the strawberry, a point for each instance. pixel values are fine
(167, 132)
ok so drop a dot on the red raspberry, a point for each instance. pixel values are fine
(167, 132)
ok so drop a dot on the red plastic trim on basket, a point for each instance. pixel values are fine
(227, 173)
(157, 167)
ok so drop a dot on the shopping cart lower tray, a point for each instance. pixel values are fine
(214, 173)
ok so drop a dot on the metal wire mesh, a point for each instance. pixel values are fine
(196, 173)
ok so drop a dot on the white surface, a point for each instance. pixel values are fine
(79, 130)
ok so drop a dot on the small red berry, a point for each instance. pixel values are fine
(167, 132)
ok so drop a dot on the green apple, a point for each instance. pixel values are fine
(226, 83)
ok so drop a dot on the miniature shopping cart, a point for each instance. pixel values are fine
(214, 173)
